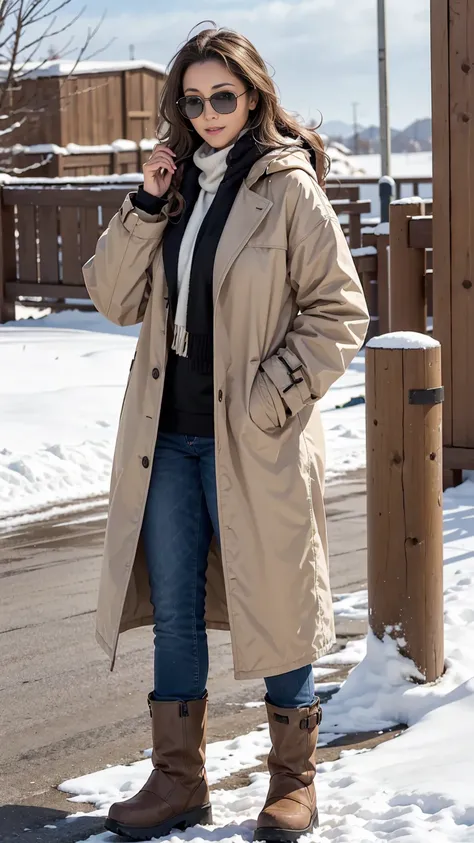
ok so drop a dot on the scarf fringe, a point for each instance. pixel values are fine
(180, 340)
(198, 348)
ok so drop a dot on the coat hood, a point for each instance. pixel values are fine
(282, 159)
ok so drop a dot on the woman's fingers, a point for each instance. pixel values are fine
(159, 164)
(161, 159)
(160, 151)
(160, 148)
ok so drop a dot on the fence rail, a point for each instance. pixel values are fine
(48, 231)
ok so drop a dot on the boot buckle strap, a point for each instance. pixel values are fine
(313, 720)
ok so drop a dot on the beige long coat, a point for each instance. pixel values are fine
(284, 286)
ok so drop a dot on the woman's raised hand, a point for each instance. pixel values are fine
(158, 170)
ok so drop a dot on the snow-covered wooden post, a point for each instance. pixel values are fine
(404, 495)
(408, 311)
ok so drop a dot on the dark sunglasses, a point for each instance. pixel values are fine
(224, 102)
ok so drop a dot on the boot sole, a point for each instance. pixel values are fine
(198, 816)
(284, 835)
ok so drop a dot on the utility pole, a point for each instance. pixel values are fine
(385, 138)
(132, 52)
(356, 127)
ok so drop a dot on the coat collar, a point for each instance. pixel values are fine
(250, 209)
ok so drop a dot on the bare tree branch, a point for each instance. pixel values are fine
(26, 26)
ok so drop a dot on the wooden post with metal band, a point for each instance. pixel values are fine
(404, 496)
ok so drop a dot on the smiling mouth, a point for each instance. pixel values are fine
(215, 129)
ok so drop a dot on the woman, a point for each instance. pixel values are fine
(234, 261)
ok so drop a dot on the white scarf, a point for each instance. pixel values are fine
(213, 164)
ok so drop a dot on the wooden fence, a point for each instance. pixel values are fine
(47, 234)
(49, 230)
(389, 303)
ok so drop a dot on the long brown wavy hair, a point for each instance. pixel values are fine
(272, 126)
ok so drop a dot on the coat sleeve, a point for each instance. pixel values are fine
(332, 322)
(117, 277)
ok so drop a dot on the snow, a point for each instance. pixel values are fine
(119, 145)
(382, 228)
(387, 180)
(34, 70)
(363, 251)
(408, 200)
(99, 182)
(416, 787)
(352, 606)
(52, 455)
(403, 340)
(403, 164)
(39, 149)
(148, 144)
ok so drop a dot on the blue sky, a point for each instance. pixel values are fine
(324, 52)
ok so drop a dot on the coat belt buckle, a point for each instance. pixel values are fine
(291, 372)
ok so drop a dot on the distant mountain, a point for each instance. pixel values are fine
(415, 138)
(337, 129)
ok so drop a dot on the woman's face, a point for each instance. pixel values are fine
(206, 78)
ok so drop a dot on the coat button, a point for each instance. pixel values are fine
(145, 462)
(220, 395)
(156, 373)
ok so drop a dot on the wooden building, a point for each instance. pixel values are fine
(90, 103)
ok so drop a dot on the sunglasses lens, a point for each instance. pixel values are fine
(224, 102)
(191, 107)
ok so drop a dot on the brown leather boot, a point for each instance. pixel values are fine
(290, 809)
(176, 794)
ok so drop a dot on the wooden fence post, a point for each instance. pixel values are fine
(383, 282)
(7, 259)
(407, 270)
(404, 496)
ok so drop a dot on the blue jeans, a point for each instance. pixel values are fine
(180, 518)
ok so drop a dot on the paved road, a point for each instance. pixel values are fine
(62, 713)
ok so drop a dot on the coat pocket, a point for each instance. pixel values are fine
(266, 407)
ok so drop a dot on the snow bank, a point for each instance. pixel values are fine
(403, 340)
